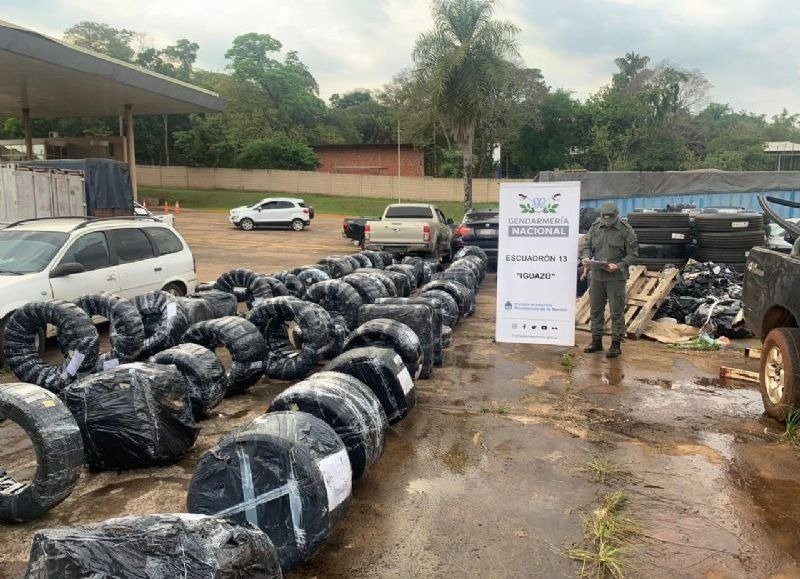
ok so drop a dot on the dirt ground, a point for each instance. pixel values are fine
(488, 476)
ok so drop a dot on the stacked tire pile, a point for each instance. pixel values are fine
(727, 238)
(664, 238)
(381, 324)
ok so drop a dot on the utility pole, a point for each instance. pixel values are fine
(398, 159)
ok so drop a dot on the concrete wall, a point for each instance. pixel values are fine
(304, 182)
(371, 160)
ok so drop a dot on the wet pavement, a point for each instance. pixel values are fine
(488, 475)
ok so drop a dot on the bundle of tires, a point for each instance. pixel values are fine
(727, 238)
(664, 238)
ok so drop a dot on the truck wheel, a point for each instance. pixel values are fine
(247, 224)
(780, 372)
(298, 225)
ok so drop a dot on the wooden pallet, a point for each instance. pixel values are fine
(646, 291)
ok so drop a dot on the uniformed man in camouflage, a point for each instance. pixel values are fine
(611, 244)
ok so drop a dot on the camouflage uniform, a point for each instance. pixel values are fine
(613, 242)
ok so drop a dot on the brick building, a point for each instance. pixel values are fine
(371, 160)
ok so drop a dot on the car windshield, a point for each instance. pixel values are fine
(409, 212)
(28, 251)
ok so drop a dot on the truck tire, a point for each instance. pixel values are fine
(78, 341)
(384, 372)
(471, 250)
(367, 287)
(465, 297)
(363, 260)
(254, 285)
(422, 316)
(244, 342)
(204, 374)
(728, 222)
(400, 280)
(286, 473)
(337, 266)
(222, 303)
(387, 333)
(292, 282)
(380, 275)
(164, 319)
(310, 276)
(337, 297)
(126, 330)
(196, 310)
(387, 257)
(409, 271)
(376, 261)
(448, 306)
(779, 377)
(346, 405)
(59, 452)
(481, 265)
(461, 275)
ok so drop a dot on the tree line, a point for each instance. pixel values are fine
(466, 91)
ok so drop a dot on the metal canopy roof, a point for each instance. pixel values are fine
(54, 79)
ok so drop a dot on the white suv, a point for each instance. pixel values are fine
(273, 211)
(66, 257)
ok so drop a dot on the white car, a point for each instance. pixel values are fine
(142, 211)
(273, 211)
(64, 258)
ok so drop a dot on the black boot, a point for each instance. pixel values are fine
(595, 346)
(614, 351)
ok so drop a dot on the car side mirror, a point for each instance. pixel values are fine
(65, 269)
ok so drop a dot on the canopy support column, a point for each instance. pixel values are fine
(26, 125)
(131, 149)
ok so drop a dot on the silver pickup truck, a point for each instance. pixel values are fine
(410, 228)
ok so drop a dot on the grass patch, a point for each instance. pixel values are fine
(608, 533)
(603, 470)
(568, 363)
(501, 410)
(218, 199)
(792, 425)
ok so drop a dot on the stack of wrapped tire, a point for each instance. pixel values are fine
(664, 238)
(728, 237)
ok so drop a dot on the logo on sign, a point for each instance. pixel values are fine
(509, 306)
(538, 204)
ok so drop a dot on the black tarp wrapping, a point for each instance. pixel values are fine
(312, 275)
(363, 260)
(337, 297)
(164, 320)
(471, 250)
(380, 275)
(393, 334)
(348, 406)
(204, 374)
(196, 310)
(400, 280)
(337, 266)
(107, 182)
(251, 286)
(384, 372)
(448, 306)
(58, 445)
(323, 268)
(77, 338)
(433, 320)
(473, 264)
(154, 546)
(339, 334)
(222, 303)
(422, 268)
(354, 262)
(447, 336)
(205, 286)
(136, 415)
(367, 287)
(388, 258)
(297, 334)
(286, 473)
(465, 297)
(721, 317)
(293, 283)
(125, 331)
(242, 339)
(409, 271)
(374, 257)
(461, 275)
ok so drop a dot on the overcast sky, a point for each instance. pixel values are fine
(746, 48)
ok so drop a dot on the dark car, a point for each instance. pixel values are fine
(353, 228)
(479, 227)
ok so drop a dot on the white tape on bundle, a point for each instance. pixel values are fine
(338, 476)
(110, 364)
(75, 361)
(405, 381)
(678, 236)
(172, 310)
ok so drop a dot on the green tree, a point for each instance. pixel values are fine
(102, 38)
(278, 153)
(458, 62)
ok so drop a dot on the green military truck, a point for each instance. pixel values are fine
(772, 311)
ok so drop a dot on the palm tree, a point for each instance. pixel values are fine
(458, 63)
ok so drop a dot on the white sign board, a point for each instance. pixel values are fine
(537, 263)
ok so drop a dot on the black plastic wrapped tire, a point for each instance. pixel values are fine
(126, 330)
(348, 406)
(384, 372)
(461, 275)
(293, 283)
(388, 258)
(222, 303)
(150, 546)
(479, 267)
(409, 271)
(309, 323)
(471, 250)
(367, 287)
(337, 266)
(465, 297)
(380, 275)
(164, 320)
(393, 334)
(77, 339)
(400, 281)
(312, 275)
(448, 306)
(244, 342)
(419, 269)
(196, 310)
(59, 451)
(251, 285)
(134, 416)
(419, 314)
(337, 297)
(447, 336)
(363, 260)
(286, 473)
(204, 374)
(375, 259)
